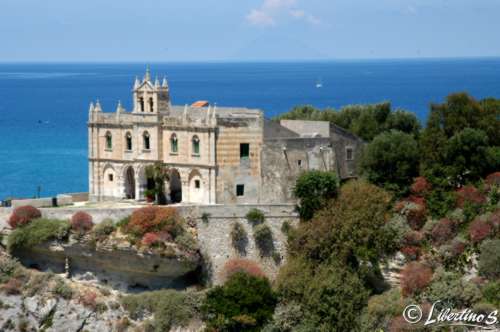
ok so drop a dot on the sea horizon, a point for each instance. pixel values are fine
(43, 106)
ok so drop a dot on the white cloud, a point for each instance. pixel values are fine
(270, 10)
(261, 18)
(302, 15)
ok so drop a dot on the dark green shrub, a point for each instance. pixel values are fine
(314, 189)
(491, 292)
(335, 298)
(170, 308)
(205, 217)
(263, 239)
(255, 216)
(489, 259)
(286, 227)
(243, 303)
(39, 231)
(239, 237)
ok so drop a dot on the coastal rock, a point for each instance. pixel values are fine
(120, 268)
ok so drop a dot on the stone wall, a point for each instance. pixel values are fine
(284, 159)
(214, 235)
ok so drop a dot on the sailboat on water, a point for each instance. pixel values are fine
(319, 84)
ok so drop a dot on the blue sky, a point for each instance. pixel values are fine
(201, 30)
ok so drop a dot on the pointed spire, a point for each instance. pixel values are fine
(136, 83)
(147, 76)
(91, 108)
(157, 82)
(164, 84)
(97, 107)
(119, 108)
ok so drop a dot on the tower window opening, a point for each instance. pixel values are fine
(141, 104)
(151, 105)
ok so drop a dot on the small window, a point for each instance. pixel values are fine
(128, 141)
(109, 141)
(197, 184)
(196, 145)
(244, 150)
(147, 145)
(174, 146)
(141, 104)
(110, 177)
(348, 154)
(151, 105)
(240, 190)
(299, 163)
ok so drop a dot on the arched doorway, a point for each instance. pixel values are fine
(196, 190)
(130, 183)
(175, 186)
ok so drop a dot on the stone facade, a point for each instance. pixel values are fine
(215, 155)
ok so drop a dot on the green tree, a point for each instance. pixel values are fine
(391, 160)
(335, 298)
(314, 189)
(468, 156)
(350, 229)
(365, 121)
(243, 303)
(158, 173)
(403, 121)
(459, 112)
(489, 259)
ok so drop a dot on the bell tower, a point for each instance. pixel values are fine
(151, 97)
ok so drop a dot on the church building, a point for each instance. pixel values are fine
(214, 155)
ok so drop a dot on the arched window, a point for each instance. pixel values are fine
(109, 141)
(146, 140)
(151, 105)
(196, 145)
(174, 147)
(141, 104)
(128, 141)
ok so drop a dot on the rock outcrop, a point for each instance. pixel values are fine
(121, 267)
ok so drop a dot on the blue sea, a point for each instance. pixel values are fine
(43, 107)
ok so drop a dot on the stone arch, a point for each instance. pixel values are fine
(129, 182)
(175, 186)
(196, 187)
(107, 171)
